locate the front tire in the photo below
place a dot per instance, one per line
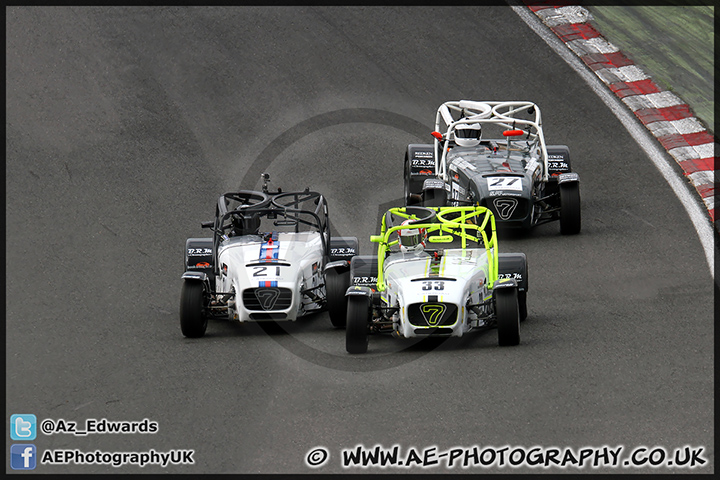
(522, 305)
(193, 321)
(569, 208)
(508, 316)
(356, 330)
(336, 284)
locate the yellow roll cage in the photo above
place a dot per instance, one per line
(469, 224)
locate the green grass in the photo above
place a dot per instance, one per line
(673, 44)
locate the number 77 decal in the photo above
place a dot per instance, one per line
(505, 183)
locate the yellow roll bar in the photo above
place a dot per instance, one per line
(468, 223)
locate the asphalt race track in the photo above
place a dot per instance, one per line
(124, 124)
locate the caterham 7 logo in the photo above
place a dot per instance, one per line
(432, 312)
(267, 297)
(505, 207)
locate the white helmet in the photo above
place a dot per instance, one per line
(468, 134)
(411, 239)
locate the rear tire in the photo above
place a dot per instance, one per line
(522, 305)
(336, 284)
(508, 316)
(569, 208)
(356, 331)
(406, 173)
(193, 321)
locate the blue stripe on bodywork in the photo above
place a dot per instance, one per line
(274, 249)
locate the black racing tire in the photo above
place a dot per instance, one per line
(410, 197)
(193, 320)
(569, 208)
(522, 305)
(434, 197)
(406, 175)
(336, 284)
(356, 330)
(507, 312)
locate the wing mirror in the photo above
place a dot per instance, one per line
(512, 133)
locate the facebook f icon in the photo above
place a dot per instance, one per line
(22, 457)
(23, 426)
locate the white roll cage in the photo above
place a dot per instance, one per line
(489, 112)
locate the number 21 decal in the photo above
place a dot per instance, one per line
(262, 271)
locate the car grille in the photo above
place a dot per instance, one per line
(267, 298)
(509, 208)
(432, 314)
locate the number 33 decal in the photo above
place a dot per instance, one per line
(435, 285)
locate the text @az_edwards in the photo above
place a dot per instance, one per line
(95, 426)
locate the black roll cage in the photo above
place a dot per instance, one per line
(269, 205)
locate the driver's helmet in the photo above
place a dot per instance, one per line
(245, 225)
(468, 134)
(411, 239)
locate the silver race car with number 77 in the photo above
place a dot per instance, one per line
(437, 272)
(521, 179)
